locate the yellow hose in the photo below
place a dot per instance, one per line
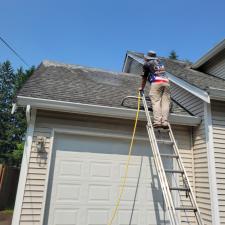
(123, 181)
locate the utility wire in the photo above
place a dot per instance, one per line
(14, 51)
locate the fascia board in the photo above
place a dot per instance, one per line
(136, 58)
(124, 63)
(183, 84)
(97, 110)
(218, 48)
(216, 93)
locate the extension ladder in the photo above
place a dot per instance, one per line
(167, 187)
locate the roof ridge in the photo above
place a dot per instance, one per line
(48, 63)
(176, 60)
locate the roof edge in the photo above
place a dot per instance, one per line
(210, 54)
(124, 62)
(97, 110)
(216, 93)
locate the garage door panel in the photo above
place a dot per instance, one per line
(68, 192)
(101, 170)
(70, 168)
(153, 218)
(152, 194)
(133, 172)
(66, 216)
(94, 145)
(86, 179)
(136, 218)
(98, 193)
(129, 194)
(96, 170)
(97, 216)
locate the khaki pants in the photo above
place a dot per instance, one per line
(160, 99)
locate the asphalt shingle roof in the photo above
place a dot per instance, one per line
(183, 70)
(79, 84)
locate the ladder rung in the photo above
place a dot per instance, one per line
(179, 188)
(174, 171)
(166, 142)
(186, 208)
(170, 155)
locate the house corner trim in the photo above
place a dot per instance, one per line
(211, 164)
(24, 169)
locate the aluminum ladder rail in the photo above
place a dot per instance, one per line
(166, 189)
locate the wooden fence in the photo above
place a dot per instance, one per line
(8, 185)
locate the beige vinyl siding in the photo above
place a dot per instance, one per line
(184, 141)
(201, 178)
(35, 180)
(218, 119)
(202, 188)
(190, 102)
(127, 63)
(216, 66)
(34, 194)
(134, 67)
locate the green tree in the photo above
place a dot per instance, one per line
(173, 55)
(12, 127)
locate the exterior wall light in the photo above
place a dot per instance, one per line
(40, 144)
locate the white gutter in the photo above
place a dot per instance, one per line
(96, 110)
(136, 58)
(218, 48)
(28, 116)
(183, 84)
(216, 93)
(211, 164)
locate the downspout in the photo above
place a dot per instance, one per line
(14, 108)
(193, 163)
(28, 113)
(211, 164)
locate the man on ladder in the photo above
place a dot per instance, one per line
(154, 72)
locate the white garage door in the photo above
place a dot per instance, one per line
(85, 180)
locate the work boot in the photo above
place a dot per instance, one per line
(157, 125)
(165, 125)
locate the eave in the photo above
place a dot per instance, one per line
(214, 51)
(216, 93)
(97, 110)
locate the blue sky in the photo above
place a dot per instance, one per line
(98, 33)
